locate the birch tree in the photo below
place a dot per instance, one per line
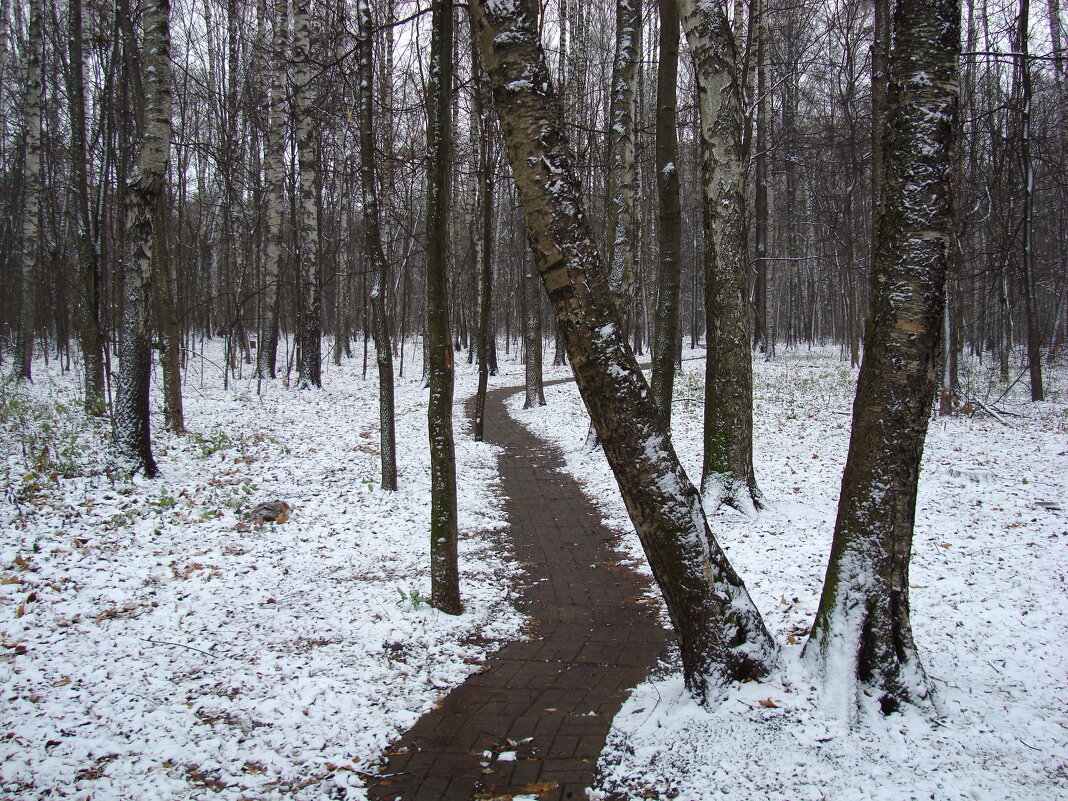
(721, 635)
(29, 239)
(309, 368)
(862, 637)
(267, 352)
(727, 470)
(132, 443)
(622, 172)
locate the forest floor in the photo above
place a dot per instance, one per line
(154, 643)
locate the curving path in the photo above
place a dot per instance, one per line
(540, 709)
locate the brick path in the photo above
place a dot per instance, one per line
(541, 708)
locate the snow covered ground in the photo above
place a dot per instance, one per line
(156, 644)
(988, 601)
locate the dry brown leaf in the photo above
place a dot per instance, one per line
(767, 702)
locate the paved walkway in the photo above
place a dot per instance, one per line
(540, 709)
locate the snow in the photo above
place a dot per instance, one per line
(987, 593)
(155, 644)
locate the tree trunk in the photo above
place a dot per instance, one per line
(372, 237)
(483, 237)
(132, 441)
(86, 241)
(167, 323)
(862, 634)
(728, 475)
(722, 637)
(668, 276)
(532, 339)
(622, 172)
(309, 368)
(444, 569)
(760, 202)
(267, 352)
(30, 233)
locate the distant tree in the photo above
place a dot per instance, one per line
(862, 637)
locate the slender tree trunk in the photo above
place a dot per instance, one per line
(444, 569)
(309, 368)
(30, 233)
(722, 637)
(132, 441)
(760, 201)
(267, 354)
(1027, 167)
(668, 277)
(167, 323)
(483, 236)
(622, 171)
(862, 636)
(372, 234)
(532, 339)
(88, 252)
(728, 475)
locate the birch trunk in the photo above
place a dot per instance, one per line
(267, 354)
(722, 637)
(376, 259)
(727, 471)
(29, 245)
(622, 172)
(309, 367)
(444, 569)
(132, 445)
(862, 640)
(483, 236)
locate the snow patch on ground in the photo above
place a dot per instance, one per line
(988, 604)
(156, 644)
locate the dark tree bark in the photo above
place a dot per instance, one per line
(532, 339)
(444, 568)
(483, 237)
(862, 636)
(167, 323)
(372, 237)
(722, 637)
(668, 191)
(132, 444)
(86, 241)
(760, 199)
(727, 475)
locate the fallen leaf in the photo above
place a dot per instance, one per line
(767, 702)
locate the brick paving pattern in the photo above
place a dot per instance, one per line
(540, 709)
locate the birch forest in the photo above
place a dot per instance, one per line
(295, 199)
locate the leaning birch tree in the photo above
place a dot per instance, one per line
(132, 444)
(720, 632)
(727, 471)
(861, 641)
